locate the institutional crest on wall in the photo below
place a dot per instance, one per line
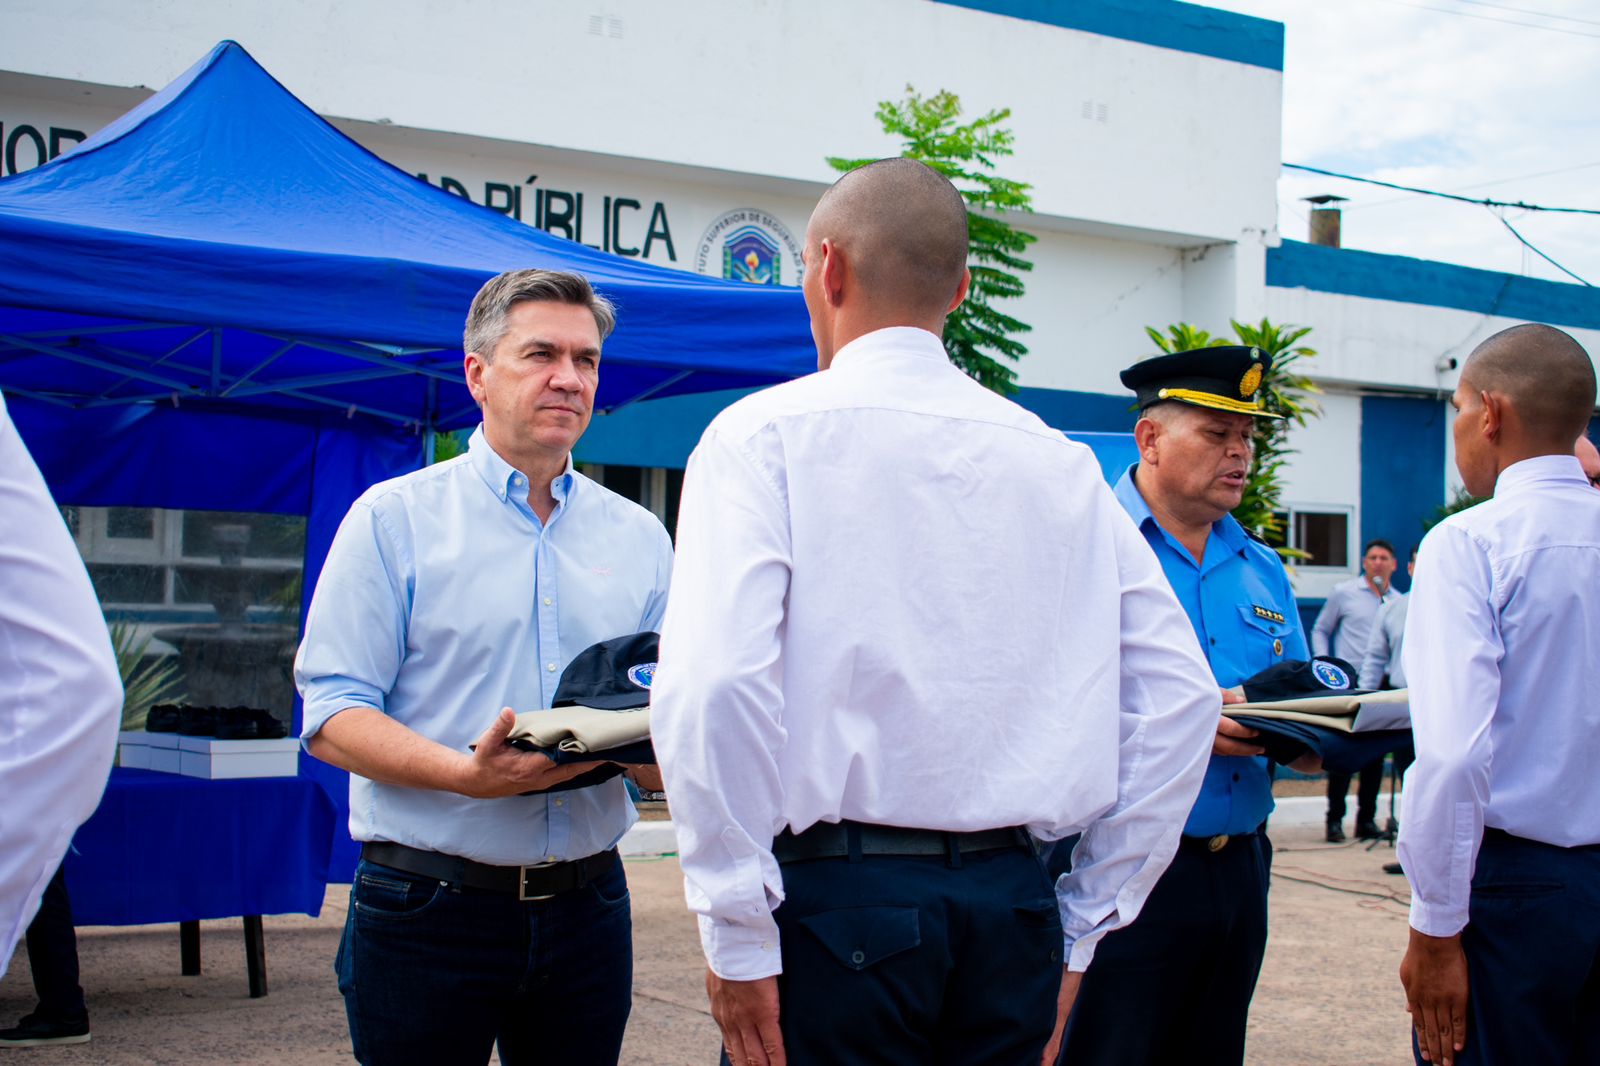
(750, 245)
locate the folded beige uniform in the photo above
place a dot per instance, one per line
(1353, 713)
(580, 730)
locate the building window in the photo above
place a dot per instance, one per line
(217, 592)
(656, 489)
(1323, 533)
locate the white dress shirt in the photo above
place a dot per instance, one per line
(902, 600)
(1503, 664)
(444, 599)
(60, 694)
(1385, 644)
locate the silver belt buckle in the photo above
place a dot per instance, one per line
(522, 882)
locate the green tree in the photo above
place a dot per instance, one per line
(1459, 502)
(1284, 390)
(978, 334)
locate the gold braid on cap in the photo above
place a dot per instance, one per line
(1211, 399)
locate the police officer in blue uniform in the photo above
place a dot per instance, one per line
(1175, 985)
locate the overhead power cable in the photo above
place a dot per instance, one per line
(1529, 246)
(1519, 205)
(1492, 18)
(1528, 11)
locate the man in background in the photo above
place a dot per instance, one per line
(1381, 667)
(1342, 629)
(60, 707)
(1501, 839)
(1589, 459)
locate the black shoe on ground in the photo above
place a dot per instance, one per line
(1367, 829)
(1392, 868)
(34, 1031)
(1335, 832)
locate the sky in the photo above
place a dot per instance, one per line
(1497, 100)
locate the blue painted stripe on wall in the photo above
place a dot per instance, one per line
(1402, 471)
(1164, 23)
(664, 432)
(1297, 265)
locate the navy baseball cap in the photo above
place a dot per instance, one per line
(613, 675)
(1226, 378)
(1323, 675)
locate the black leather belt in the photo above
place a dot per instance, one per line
(541, 881)
(833, 840)
(1213, 844)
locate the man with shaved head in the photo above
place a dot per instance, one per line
(910, 630)
(1501, 835)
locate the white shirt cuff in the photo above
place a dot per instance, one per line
(741, 952)
(1431, 920)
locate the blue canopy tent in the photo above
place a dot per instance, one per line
(220, 302)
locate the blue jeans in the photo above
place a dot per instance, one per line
(438, 975)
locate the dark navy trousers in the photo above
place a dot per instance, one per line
(53, 955)
(1533, 955)
(437, 976)
(902, 960)
(1175, 985)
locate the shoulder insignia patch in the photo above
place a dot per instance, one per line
(1268, 614)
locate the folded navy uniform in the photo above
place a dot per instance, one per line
(1329, 728)
(607, 686)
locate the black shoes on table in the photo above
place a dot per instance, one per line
(224, 723)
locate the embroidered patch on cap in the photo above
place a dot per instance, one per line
(642, 675)
(1329, 674)
(1251, 381)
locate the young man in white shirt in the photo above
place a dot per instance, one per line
(1501, 837)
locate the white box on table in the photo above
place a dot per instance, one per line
(219, 759)
(163, 752)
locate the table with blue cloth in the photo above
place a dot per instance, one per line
(167, 848)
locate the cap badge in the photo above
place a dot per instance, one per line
(1330, 675)
(1251, 381)
(642, 675)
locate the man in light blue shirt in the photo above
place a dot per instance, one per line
(452, 597)
(1342, 628)
(1175, 985)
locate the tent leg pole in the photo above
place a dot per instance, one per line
(429, 436)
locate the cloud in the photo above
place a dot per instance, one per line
(1457, 100)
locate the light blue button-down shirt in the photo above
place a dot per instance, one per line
(444, 599)
(1241, 605)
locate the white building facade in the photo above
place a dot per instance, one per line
(695, 135)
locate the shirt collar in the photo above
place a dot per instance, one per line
(1227, 528)
(505, 480)
(1540, 470)
(893, 340)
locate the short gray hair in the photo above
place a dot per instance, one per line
(486, 319)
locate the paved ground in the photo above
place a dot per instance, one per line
(1328, 992)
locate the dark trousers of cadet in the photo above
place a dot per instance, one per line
(1175, 986)
(906, 960)
(53, 955)
(1366, 793)
(1533, 955)
(435, 975)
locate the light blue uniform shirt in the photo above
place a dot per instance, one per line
(1241, 605)
(444, 599)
